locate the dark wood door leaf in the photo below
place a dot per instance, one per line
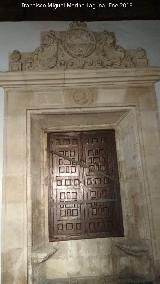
(84, 191)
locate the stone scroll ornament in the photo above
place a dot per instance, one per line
(77, 48)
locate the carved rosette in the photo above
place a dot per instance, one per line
(80, 96)
(83, 96)
(77, 48)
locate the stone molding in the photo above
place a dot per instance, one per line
(136, 76)
(77, 48)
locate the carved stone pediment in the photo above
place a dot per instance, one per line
(77, 48)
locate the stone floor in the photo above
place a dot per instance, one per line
(97, 280)
(81, 281)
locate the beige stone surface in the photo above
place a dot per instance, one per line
(81, 259)
(37, 102)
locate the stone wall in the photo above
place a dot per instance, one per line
(37, 102)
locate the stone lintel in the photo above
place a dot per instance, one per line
(138, 76)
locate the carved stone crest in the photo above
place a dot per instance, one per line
(77, 48)
(78, 41)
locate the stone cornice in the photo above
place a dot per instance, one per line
(129, 76)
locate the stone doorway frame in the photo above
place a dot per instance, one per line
(121, 119)
(35, 93)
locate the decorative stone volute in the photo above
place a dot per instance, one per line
(77, 48)
(133, 248)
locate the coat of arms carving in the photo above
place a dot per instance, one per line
(77, 48)
(79, 41)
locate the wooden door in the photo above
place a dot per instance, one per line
(84, 193)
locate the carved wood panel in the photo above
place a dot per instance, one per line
(84, 195)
